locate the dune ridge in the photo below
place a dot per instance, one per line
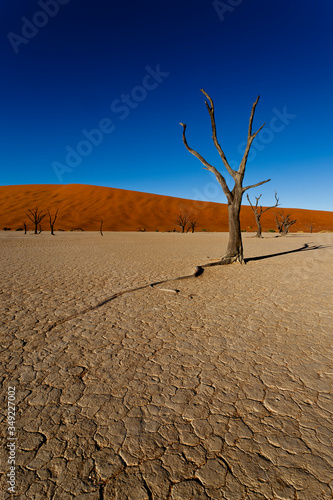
(83, 206)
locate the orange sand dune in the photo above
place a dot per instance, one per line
(83, 206)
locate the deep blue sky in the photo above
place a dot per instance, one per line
(62, 78)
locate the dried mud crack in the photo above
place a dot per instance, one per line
(227, 396)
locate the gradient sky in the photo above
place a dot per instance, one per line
(134, 70)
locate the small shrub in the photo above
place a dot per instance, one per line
(271, 230)
(7, 229)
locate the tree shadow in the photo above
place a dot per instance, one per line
(304, 248)
(293, 235)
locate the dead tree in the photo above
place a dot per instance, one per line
(101, 227)
(283, 222)
(234, 196)
(25, 227)
(52, 221)
(36, 218)
(310, 226)
(258, 211)
(192, 224)
(182, 221)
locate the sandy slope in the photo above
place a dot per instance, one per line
(84, 206)
(222, 390)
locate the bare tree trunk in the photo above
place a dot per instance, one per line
(101, 227)
(234, 251)
(259, 228)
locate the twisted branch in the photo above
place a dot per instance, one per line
(209, 167)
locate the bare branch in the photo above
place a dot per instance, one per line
(210, 108)
(208, 166)
(253, 208)
(273, 206)
(255, 185)
(256, 133)
(30, 217)
(250, 137)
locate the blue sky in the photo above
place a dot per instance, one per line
(93, 93)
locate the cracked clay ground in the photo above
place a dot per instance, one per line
(220, 391)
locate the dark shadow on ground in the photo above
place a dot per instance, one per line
(290, 235)
(268, 236)
(272, 235)
(304, 248)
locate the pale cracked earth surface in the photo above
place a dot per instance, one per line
(220, 391)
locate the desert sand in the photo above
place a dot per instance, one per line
(210, 387)
(83, 206)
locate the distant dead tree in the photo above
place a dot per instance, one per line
(234, 196)
(283, 222)
(40, 229)
(310, 226)
(36, 218)
(182, 221)
(258, 211)
(52, 221)
(192, 224)
(25, 227)
(101, 227)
